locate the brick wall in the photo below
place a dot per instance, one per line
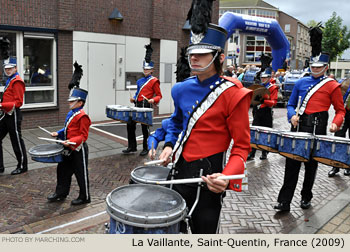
(155, 19)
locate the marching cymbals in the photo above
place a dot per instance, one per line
(261, 91)
(344, 86)
(254, 86)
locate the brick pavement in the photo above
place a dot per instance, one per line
(24, 209)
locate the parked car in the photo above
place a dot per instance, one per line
(289, 82)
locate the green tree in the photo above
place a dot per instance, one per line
(336, 37)
(312, 23)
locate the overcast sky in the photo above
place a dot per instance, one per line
(318, 10)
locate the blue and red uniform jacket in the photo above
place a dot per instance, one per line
(151, 88)
(13, 93)
(328, 94)
(158, 135)
(226, 119)
(76, 128)
(272, 100)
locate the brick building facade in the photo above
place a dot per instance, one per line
(156, 20)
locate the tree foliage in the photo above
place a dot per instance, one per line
(336, 37)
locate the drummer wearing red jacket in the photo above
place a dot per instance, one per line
(210, 111)
(147, 94)
(262, 113)
(75, 158)
(316, 93)
(11, 116)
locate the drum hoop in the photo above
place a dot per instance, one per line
(261, 128)
(139, 179)
(161, 220)
(303, 135)
(58, 152)
(333, 139)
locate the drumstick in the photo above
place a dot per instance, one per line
(55, 140)
(45, 130)
(197, 180)
(152, 148)
(154, 162)
(145, 98)
(298, 107)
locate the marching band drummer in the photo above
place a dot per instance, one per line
(209, 111)
(317, 94)
(11, 116)
(76, 129)
(343, 130)
(262, 113)
(147, 94)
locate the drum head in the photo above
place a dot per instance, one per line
(293, 156)
(146, 206)
(330, 162)
(149, 174)
(254, 146)
(267, 148)
(46, 150)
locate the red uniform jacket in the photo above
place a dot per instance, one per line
(151, 88)
(328, 94)
(272, 101)
(13, 95)
(76, 130)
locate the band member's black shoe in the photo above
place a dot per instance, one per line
(251, 156)
(347, 172)
(263, 155)
(2, 169)
(305, 204)
(78, 201)
(282, 207)
(55, 197)
(19, 171)
(144, 153)
(333, 172)
(129, 151)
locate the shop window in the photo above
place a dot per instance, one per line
(39, 69)
(36, 64)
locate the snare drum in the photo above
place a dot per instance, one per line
(145, 209)
(119, 112)
(333, 151)
(267, 139)
(149, 174)
(143, 115)
(47, 153)
(296, 145)
(253, 137)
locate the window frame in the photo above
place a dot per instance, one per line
(20, 36)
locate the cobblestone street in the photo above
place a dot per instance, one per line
(24, 208)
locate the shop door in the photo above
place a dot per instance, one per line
(101, 75)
